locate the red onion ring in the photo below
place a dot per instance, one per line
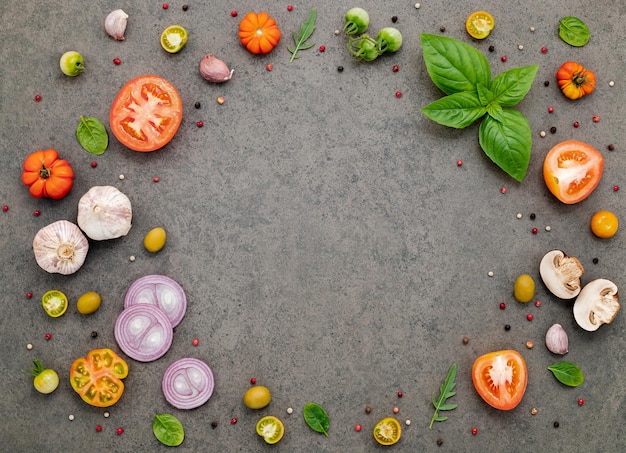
(143, 332)
(188, 383)
(161, 291)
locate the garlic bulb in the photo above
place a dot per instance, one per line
(104, 213)
(60, 248)
(115, 24)
(214, 70)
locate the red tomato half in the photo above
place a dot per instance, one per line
(500, 378)
(146, 113)
(572, 169)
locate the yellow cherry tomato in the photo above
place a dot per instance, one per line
(54, 302)
(479, 24)
(271, 429)
(155, 239)
(88, 303)
(387, 431)
(604, 224)
(524, 289)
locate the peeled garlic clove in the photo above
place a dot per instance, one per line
(60, 248)
(556, 339)
(115, 24)
(104, 213)
(214, 70)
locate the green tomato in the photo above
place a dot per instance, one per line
(363, 48)
(357, 21)
(389, 39)
(72, 63)
(46, 380)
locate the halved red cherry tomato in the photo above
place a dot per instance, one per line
(500, 378)
(572, 170)
(97, 378)
(146, 113)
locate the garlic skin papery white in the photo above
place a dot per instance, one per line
(60, 248)
(115, 24)
(104, 213)
(215, 70)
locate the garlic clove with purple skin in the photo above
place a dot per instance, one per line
(60, 248)
(115, 24)
(556, 339)
(215, 70)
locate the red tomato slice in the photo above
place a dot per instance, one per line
(146, 113)
(572, 170)
(500, 378)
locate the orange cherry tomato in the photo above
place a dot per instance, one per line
(500, 378)
(572, 170)
(146, 113)
(604, 224)
(259, 33)
(47, 175)
(575, 80)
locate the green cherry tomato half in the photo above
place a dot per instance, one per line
(72, 63)
(270, 429)
(54, 302)
(45, 380)
(174, 38)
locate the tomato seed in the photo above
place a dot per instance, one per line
(322, 48)
(615, 188)
(400, 394)
(120, 431)
(398, 94)
(474, 431)
(29, 295)
(233, 421)
(544, 50)
(252, 380)
(357, 428)
(214, 424)
(529, 317)
(94, 164)
(581, 401)
(289, 8)
(503, 58)
(233, 13)
(117, 61)
(395, 68)
(200, 124)
(534, 231)
(37, 97)
(576, 124)
(98, 428)
(48, 337)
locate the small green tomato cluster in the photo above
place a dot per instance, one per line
(363, 47)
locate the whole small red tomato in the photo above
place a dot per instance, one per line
(575, 80)
(47, 175)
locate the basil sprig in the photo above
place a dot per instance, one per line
(464, 75)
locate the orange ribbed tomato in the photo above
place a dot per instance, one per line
(46, 175)
(259, 33)
(575, 80)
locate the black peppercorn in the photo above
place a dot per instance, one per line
(556, 424)
(507, 327)
(368, 409)
(340, 68)
(197, 105)
(94, 334)
(185, 7)
(442, 28)
(492, 48)
(595, 261)
(553, 129)
(213, 424)
(532, 216)
(440, 441)
(546, 83)
(465, 340)
(394, 19)
(611, 147)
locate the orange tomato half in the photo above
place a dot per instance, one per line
(500, 378)
(572, 170)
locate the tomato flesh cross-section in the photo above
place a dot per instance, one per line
(97, 378)
(500, 378)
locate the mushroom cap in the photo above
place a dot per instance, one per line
(596, 304)
(561, 274)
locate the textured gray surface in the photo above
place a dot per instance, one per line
(327, 241)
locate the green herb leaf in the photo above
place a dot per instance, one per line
(168, 430)
(495, 111)
(317, 418)
(92, 135)
(453, 65)
(573, 31)
(306, 30)
(510, 87)
(567, 373)
(458, 110)
(507, 141)
(445, 392)
(484, 94)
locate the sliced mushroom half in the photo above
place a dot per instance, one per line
(596, 304)
(561, 274)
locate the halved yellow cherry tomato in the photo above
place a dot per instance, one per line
(479, 24)
(54, 302)
(387, 431)
(174, 38)
(604, 224)
(270, 429)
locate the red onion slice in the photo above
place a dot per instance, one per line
(188, 383)
(143, 332)
(161, 291)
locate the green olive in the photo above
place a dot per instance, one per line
(524, 289)
(88, 303)
(257, 397)
(155, 239)
(72, 63)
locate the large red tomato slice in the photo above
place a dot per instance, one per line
(500, 378)
(572, 169)
(146, 113)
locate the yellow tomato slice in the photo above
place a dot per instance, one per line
(479, 24)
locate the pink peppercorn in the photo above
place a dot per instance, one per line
(400, 394)
(155, 179)
(529, 317)
(357, 428)
(596, 119)
(474, 431)
(94, 164)
(615, 188)
(396, 410)
(535, 231)
(120, 431)
(36, 212)
(195, 342)
(48, 337)
(550, 109)
(233, 421)
(502, 305)
(117, 61)
(199, 124)
(29, 295)
(395, 68)
(503, 190)
(537, 303)
(289, 8)
(544, 50)
(398, 94)
(233, 13)
(581, 401)
(98, 428)
(503, 58)
(269, 67)
(459, 163)
(252, 380)
(165, 6)
(37, 97)
(322, 49)
(576, 124)
(5, 208)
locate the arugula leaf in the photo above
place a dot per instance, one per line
(306, 30)
(458, 110)
(92, 135)
(567, 373)
(453, 65)
(445, 392)
(168, 430)
(316, 417)
(510, 87)
(573, 31)
(507, 141)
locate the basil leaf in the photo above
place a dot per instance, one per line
(510, 87)
(458, 110)
(92, 135)
(495, 111)
(485, 96)
(573, 31)
(317, 418)
(453, 65)
(168, 430)
(567, 373)
(507, 142)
